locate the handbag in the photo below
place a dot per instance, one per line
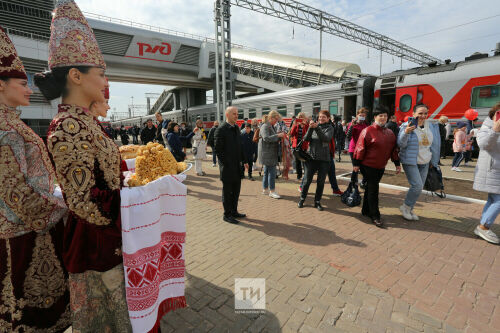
(434, 181)
(351, 196)
(300, 154)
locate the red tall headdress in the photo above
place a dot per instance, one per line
(72, 41)
(11, 65)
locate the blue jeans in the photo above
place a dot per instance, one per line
(331, 176)
(416, 175)
(491, 210)
(457, 159)
(269, 177)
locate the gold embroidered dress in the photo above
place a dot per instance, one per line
(88, 166)
(34, 290)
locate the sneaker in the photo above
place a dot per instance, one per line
(414, 216)
(274, 195)
(457, 169)
(406, 211)
(214, 165)
(487, 235)
(264, 191)
(466, 164)
(337, 193)
(453, 168)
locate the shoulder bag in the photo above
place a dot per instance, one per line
(351, 196)
(300, 154)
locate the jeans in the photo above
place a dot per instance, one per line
(269, 177)
(491, 209)
(457, 159)
(370, 199)
(311, 168)
(250, 166)
(298, 168)
(331, 175)
(416, 175)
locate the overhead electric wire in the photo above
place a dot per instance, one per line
(379, 10)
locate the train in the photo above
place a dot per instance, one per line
(448, 89)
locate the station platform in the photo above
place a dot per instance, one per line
(333, 271)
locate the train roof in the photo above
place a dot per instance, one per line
(474, 59)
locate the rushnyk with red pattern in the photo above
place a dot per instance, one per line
(154, 233)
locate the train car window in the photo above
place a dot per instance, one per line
(212, 117)
(241, 114)
(265, 111)
(316, 108)
(205, 117)
(405, 103)
(333, 107)
(419, 97)
(485, 97)
(297, 109)
(282, 110)
(252, 113)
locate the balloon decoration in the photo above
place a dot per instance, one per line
(471, 114)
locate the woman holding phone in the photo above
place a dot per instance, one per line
(420, 146)
(487, 173)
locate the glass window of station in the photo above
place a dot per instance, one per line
(205, 117)
(297, 108)
(485, 97)
(212, 117)
(282, 110)
(252, 113)
(241, 114)
(266, 110)
(333, 107)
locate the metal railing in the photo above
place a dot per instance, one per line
(156, 29)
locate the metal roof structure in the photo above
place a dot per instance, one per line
(296, 12)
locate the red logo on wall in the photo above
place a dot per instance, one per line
(164, 48)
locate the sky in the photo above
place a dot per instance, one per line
(446, 29)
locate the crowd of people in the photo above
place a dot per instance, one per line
(415, 146)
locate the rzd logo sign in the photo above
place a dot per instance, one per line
(164, 48)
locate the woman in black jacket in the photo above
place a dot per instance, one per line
(319, 135)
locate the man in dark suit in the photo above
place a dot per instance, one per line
(231, 159)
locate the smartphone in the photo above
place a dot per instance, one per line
(412, 121)
(315, 118)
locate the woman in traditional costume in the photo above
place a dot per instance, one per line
(35, 296)
(87, 164)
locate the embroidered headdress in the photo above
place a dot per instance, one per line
(11, 65)
(72, 41)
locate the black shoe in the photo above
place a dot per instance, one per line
(378, 222)
(251, 178)
(239, 215)
(440, 164)
(318, 206)
(230, 219)
(301, 203)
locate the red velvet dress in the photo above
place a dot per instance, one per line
(88, 167)
(34, 291)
